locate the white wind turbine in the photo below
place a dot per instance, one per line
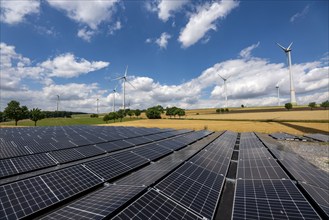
(292, 89)
(124, 80)
(114, 92)
(225, 88)
(278, 88)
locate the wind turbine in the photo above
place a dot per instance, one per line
(225, 88)
(292, 89)
(114, 91)
(124, 80)
(278, 88)
(97, 100)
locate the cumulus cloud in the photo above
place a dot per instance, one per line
(246, 53)
(115, 27)
(301, 14)
(162, 41)
(204, 20)
(86, 34)
(166, 8)
(14, 12)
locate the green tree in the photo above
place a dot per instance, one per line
(15, 111)
(130, 113)
(106, 118)
(2, 117)
(159, 108)
(226, 110)
(325, 104)
(36, 115)
(222, 110)
(121, 114)
(138, 112)
(153, 113)
(181, 112)
(312, 105)
(288, 106)
(113, 116)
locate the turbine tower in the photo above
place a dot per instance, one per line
(97, 100)
(278, 88)
(225, 88)
(124, 80)
(292, 89)
(57, 102)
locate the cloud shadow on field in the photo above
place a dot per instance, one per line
(303, 128)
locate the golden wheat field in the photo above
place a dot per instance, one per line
(238, 126)
(285, 115)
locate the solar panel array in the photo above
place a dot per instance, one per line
(86, 172)
(318, 137)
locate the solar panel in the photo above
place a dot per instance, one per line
(249, 141)
(9, 149)
(319, 195)
(32, 162)
(254, 153)
(153, 205)
(270, 199)
(7, 168)
(89, 151)
(97, 205)
(70, 181)
(115, 145)
(151, 151)
(138, 140)
(318, 137)
(283, 136)
(260, 169)
(22, 198)
(67, 155)
(194, 187)
(129, 159)
(172, 144)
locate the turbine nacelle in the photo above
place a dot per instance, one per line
(286, 50)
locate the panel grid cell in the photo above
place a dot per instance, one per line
(270, 199)
(32, 162)
(194, 187)
(70, 181)
(66, 155)
(97, 205)
(153, 205)
(23, 198)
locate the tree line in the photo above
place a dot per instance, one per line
(14, 111)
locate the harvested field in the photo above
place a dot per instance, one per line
(237, 126)
(275, 116)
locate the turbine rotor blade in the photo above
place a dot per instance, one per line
(221, 77)
(281, 46)
(120, 77)
(126, 71)
(131, 84)
(289, 46)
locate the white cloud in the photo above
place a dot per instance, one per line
(162, 41)
(115, 27)
(252, 83)
(86, 34)
(67, 66)
(91, 13)
(166, 8)
(204, 20)
(148, 40)
(14, 12)
(300, 14)
(246, 53)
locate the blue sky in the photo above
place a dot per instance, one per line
(174, 49)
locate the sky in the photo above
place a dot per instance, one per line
(175, 51)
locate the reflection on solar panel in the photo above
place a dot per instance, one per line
(194, 187)
(254, 153)
(9, 149)
(66, 155)
(151, 151)
(270, 199)
(23, 198)
(319, 195)
(153, 205)
(149, 174)
(97, 205)
(260, 169)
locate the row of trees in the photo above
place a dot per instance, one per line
(222, 110)
(312, 105)
(121, 114)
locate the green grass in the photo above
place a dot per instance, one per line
(75, 120)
